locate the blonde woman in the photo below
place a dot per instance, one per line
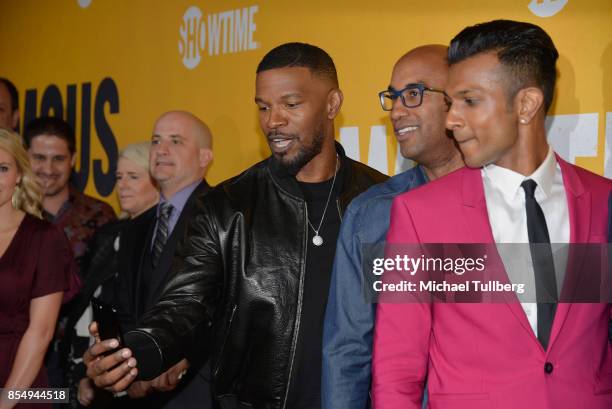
(135, 187)
(116, 246)
(35, 263)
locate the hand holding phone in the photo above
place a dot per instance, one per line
(108, 324)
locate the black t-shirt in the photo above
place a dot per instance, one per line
(305, 392)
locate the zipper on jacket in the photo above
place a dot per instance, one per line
(298, 318)
(339, 211)
(229, 328)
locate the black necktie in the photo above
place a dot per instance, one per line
(161, 233)
(543, 265)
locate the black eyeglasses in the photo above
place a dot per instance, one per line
(411, 95)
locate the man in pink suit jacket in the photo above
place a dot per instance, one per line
(472, 356)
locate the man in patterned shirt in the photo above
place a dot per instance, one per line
(51, 145)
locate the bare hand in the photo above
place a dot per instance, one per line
(114, 372)
(169, 379)
(85, 394)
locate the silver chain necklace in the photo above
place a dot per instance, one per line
(317, 240)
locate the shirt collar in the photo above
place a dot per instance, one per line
(508, 182)
(53, 218)
(420, 175)
(179, 199)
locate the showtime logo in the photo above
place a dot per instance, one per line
(546, 8)
(224, 32)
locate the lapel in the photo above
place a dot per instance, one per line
(579, 210)
(578, 203)
(133, 251)
(474, 207)
(159, 275)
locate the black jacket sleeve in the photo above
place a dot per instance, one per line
(183, 314)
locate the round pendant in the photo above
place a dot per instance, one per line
(317, 240)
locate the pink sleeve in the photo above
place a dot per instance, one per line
(401, 336)
(55, 263)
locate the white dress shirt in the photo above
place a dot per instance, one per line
(508, 218)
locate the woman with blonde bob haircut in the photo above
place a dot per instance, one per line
(136, 189)
(35, 265)
(115, 248)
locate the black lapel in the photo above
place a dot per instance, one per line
(137, 240)
(140, 258)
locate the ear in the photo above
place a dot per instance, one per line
(206, 157)
(334, 102)
(72, 160)
(529, 102)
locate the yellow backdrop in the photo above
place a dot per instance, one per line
(111, 67)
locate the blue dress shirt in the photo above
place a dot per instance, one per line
(349, 319)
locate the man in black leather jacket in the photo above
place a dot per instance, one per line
(256, 258)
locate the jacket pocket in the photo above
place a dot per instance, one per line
(225, 338)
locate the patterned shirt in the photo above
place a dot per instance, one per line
(80, 216)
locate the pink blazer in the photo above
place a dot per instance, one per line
(486, 355)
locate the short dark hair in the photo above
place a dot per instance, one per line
(524, 49)
(49, 125)
(12, 90)
(300, 55)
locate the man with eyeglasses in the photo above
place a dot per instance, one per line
(417, 108)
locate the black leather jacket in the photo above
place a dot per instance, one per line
(240, 268)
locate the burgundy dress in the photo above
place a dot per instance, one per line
(37, 262)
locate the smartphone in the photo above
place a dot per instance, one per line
(108, 324)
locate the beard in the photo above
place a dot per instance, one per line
(304, 154)
(50, 189)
